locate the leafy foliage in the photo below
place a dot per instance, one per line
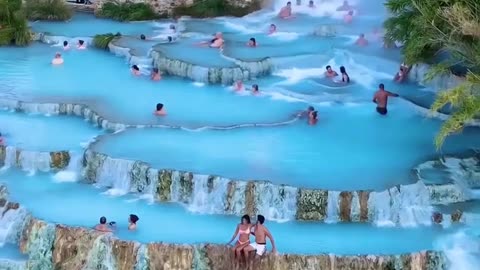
(215, 8)
(127, 11)
(13, 24)
(429, 28)
(102, 41)
(54, 10)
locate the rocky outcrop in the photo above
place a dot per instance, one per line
(418, 74)
(66, 248)
(240, 70)
(312, 204)
(31, 160)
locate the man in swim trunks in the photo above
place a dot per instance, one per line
(218, 41)
(286, 11)
(381, 98)
(261, 233)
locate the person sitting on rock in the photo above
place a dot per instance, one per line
(103, 226)
(361, 40)
(132, 222)
(260, 246)
(160, 110)
(286, 11)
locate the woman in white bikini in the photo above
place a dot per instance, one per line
(243, 233)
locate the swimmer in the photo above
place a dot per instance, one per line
(255, 90)
(160, 110)
(312, 118)
(2, 141)
(135, 70)
(155, 76)
(252, 43)
(345, 77)
(58, 60)
(272, 29)
(311, 4)
(173, 29)
(330, 73)
(345, 7)
(286, 11)
(238, 86)
(381, 99)
(103, 226)
(361, 41)
(306, 113)
(216, 42)
(348, 18)
(81, 45)
(143, 37)
(243, 233)
(260, 245)
(66, 47)
(132, 222)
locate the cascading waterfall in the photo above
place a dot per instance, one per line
(116, 175)
(27, 160)
(100, 256)
(142, 258)
(332, 207)
(40, 108)
(235, 203)
(209, 194)
(73, 170)
(150, 191)
(276, 202)
(11, 224)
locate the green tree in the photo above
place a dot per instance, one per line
(53, 10)
(428, 27)
(13, 23)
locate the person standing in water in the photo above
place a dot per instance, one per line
(286, 11)
(243, 233)
(160, 110)
(381, 99)
(260, 246)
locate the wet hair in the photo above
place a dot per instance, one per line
(103, 220)
(261, 219)
(155, 70)
(81, 41)
(255, 87)
(254, 41)
(344, 71)
(133, 218)
(65, 43)
(135, 67)
(289, 3)
(159, 106)
(142, 37)
(327, 67)
(170, 39)
(381, 86)
(247, 218)
(314, 114)
(310, 108)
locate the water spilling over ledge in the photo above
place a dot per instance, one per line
(32, 160)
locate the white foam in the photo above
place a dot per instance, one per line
(198, 84)
(285, 36)
(115, 192)
(322, 9)
(462, 251)
(239, 27)
(295, 75)
(65, 177)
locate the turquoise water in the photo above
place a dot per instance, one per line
(43, 133)
(11, 252)
(55, 202)
(329, 155)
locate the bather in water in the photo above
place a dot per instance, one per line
(311, 4)
(313, 118)
(252, 43)
(135, 70)
(243, 233)
(66, 47)
(255, 90)
(330, 73)
(306, 113)
(81, 45)
(381, 99)
(361, 41)
(272, 29)
(348, 18)
(132, 222)
(216, 42)
(155, 76)
(103, 226)
(238, 86)
(160, 110)
(345, 77)
(57, 60)
(286, 11)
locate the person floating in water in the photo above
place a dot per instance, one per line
(135, 70)
(286, 11)
(312, 118)
(252, 43)
(330, 73)
(311, 4)
(216, 42)
(103, 226)
(66, 47)
(160, 110)
(381, 99)
(345, 77)
(155, 76)
(238, 86)
(255, 90)
(81, 45)
(57, 60)
(261, 234)
(361, 40)
(345, 7)
(272, 29)
(132, 222)
(348, 18)
(243, 233)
